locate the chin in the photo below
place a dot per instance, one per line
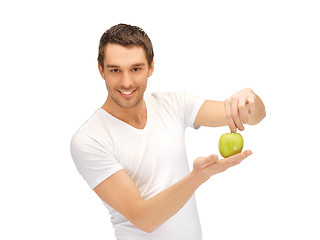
(130, 103)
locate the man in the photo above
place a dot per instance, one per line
(132, 152)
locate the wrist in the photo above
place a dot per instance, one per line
(197, 178)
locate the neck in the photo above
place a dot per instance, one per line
(135, 116)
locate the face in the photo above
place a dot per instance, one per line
(125, 72)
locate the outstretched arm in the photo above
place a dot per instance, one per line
(244, 107)
(120, 192)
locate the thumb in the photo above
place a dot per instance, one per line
(209, 160)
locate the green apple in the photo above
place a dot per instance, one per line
(230, 144)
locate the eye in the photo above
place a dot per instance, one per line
(136, 69)
(114, 70)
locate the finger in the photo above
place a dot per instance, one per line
(243, 111)
(206, 161)
(237, 158)
(225, 163)
(230, 122)
(235, 115)
(211, 159)
(251, 103)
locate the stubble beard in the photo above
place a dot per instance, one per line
(114, 94)
(124, 104)
(128, 105)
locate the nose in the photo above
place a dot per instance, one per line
(127, 81)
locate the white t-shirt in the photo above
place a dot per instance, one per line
(154, 157)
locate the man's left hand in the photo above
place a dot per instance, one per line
(239, 107)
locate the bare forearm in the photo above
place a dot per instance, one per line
(152, 212)
(120, 192)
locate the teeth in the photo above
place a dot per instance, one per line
(126, 93)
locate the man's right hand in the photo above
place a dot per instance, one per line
(120, 192)
(205, 167)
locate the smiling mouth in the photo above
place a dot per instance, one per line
(127, 93)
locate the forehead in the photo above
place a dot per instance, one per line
(116, 54)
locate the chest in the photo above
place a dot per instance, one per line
(156, 158)
(158, 147)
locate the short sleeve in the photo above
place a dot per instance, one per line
(189, 106)
(94, 161)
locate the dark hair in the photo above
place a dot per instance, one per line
(125, 35)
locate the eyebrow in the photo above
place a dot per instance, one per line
(133, 65)
(112, 66)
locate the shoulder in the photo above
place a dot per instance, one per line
(177, 99)
(94, 125)
(93, 132)
(166, 97)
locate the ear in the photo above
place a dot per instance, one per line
(151, 68)
(101, 71)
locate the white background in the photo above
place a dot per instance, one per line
(50, 85)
